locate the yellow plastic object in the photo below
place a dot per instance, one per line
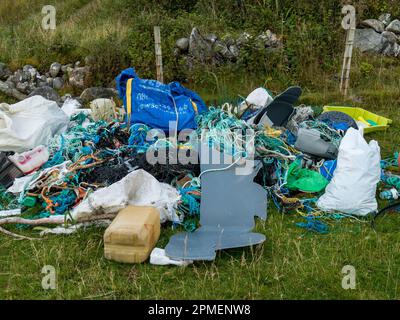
(272, 132)
(132, 235)
(382, 122)
(363, 121)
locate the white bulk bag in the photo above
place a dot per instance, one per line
(138, 188)
(352, 189)
(30, 123)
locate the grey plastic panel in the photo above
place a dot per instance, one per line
(229, 202)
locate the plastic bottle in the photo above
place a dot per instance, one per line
(391, 194)
(31, 160)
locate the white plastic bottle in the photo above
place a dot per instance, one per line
(32, 160)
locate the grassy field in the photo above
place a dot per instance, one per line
(292, 263)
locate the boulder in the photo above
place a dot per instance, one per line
(65, 68)
(10, 84)
(42, 78)
(30, 73)
(23, 87)
(394, 26)
(78, 77)
(10, 90)
(22, 76)
(17, 77)
(391, 49)
(31, 86)
(377, 25)
(58, 83)
(390, 36)
(55, 69)
(94, 93)
(212, 38)
(4, 71)
(199, 47)
(226, 52)
(221, 50)
(182, 44)
(369, 41)
(46, 92)
(244, 39)
(385, 18)
(268, 40)
(90, 61)
(41, 84)
(65, 97)
(49, 82)
(234, 49)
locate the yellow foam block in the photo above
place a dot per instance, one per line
(132, 235)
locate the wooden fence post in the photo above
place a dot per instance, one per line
(159, 64)
(349, 24)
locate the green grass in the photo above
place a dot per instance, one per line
(292, 264)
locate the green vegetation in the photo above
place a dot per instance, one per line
(292, 264)
(119, 33)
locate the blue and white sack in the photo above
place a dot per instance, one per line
(156, 104)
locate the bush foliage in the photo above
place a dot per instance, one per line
(119, 33)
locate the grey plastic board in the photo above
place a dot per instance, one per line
(229, 202)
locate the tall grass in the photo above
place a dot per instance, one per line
(118, 34)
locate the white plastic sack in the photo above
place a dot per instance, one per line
(72, 107)
(138, 188)
(30, 123)
(258, 98)
(352, 189)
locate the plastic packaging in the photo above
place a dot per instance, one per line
(382, 123)
(304, 179)
(159, 258)
(309, 141)
(353, 186)
(156, 104)
(138, 188)
(132, 235)
(391, 194)
(32, 160)
(30, 123)
(257, 99)
(328, 168)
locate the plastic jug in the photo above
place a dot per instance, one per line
(132, 235)
(32, 160)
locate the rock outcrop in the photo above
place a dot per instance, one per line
(379, 36)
